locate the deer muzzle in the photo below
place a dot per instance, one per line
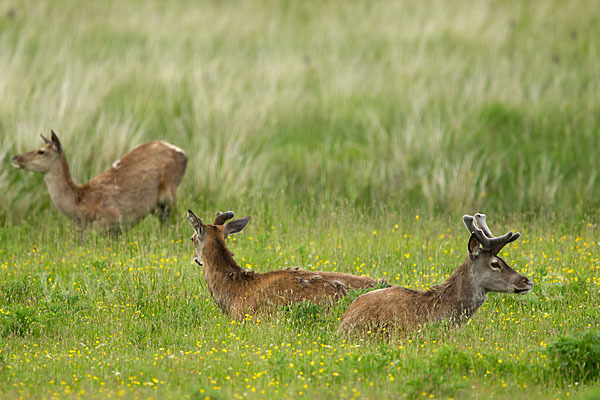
(14, 162)
(523, 286)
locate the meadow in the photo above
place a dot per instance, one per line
(356, 135)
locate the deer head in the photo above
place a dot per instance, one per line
(489, 271)
(203, 231)
(42, 159)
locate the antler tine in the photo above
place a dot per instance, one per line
(487, 242)
(514, 237)
(222, 217)
(484, 235)
(481, 223)
(496, 242)
(501, 241)
(469, 222)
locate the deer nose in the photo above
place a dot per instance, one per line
(523, 286)
(13, 161)
(527, 283)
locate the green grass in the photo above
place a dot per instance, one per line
(356, 135)
(132, 316)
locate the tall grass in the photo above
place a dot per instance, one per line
(427, 106)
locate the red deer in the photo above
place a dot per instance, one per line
(457, 299)
(143, 181)
(238, 291)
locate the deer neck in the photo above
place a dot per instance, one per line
(65, 194)
(223, 275)
(459, 295)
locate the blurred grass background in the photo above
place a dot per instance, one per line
(442, 107)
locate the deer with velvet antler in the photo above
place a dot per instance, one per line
(456, 299)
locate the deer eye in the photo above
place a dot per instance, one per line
(495, 265)
(40, 152)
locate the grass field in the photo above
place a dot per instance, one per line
(356, 135)
(132, 316)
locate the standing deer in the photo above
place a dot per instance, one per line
(456, 299)
(238, 291)
(143, 181)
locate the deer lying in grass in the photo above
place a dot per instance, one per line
(456, 299)
(143, 181)
(238, 291)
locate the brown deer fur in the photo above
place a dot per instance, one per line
(238, 291)
(457, 299)
(143, 181)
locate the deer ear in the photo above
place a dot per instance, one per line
(235, 226)
(474, 246)
(56, 142)
(194, 221)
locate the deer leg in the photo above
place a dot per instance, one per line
(164, 206)
(114, 231)
(109, 224)
(163, 212)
